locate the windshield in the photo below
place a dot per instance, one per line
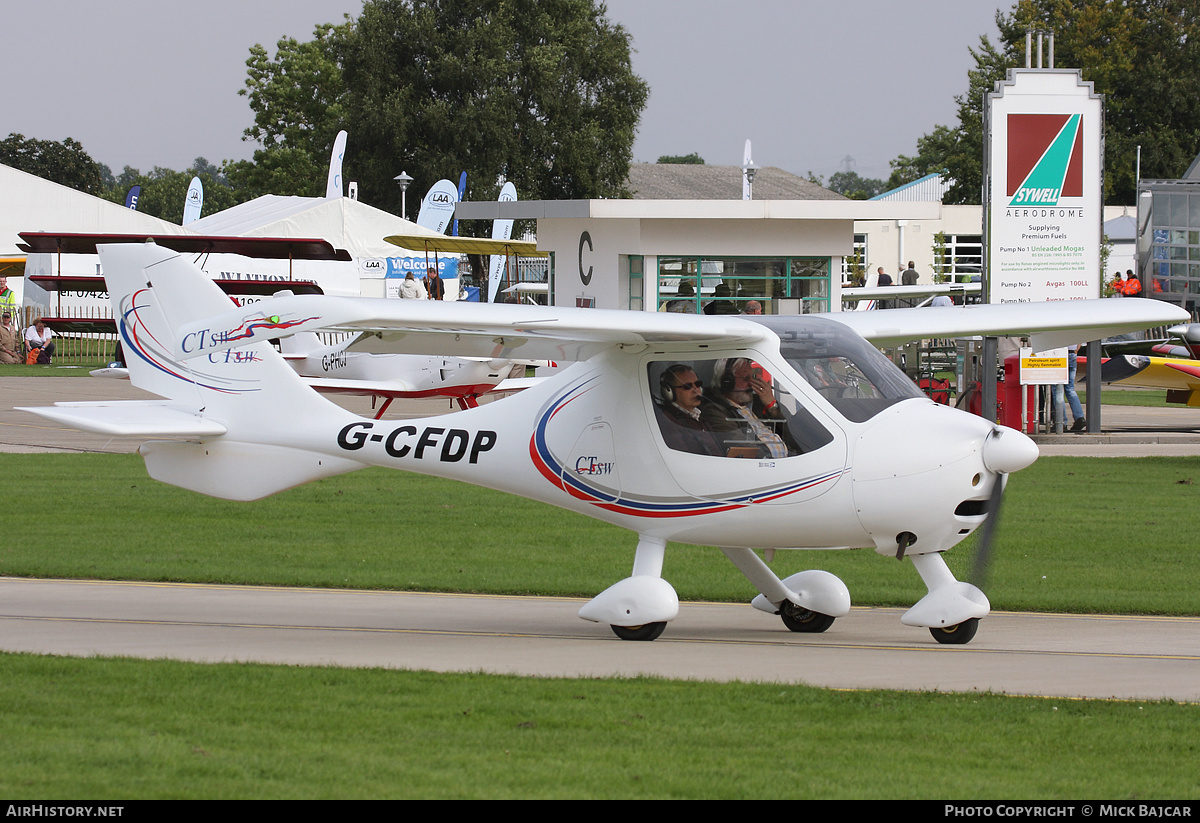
(843, 367)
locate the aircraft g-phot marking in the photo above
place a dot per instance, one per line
(772, 433)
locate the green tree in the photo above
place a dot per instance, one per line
(298, 99)
(693, 159)
(65, 163)
(957, 153)
(853, 186)
(539, 92)
(164, 190)
(1142, 55)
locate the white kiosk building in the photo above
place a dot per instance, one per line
(646, 255)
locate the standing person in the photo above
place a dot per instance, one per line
(722, 305)
(37, 338)
(10, 340)
(8, 298)
(884, 279)
(909, 276)
(684, 302)
(1079, 422)
(413, 289)
(433, 285)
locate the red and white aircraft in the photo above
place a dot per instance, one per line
(356, 366)
(858, 458)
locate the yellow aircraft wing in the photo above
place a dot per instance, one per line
(465, 245)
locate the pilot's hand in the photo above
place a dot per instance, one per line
(762, 390)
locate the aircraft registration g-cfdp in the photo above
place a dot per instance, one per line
(851, 454)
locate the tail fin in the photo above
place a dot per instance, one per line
(264, 407)
(154, 291)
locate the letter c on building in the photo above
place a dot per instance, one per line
(586, 277)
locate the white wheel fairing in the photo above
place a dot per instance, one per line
(634, 601)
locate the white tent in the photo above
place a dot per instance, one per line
(29, 203)
(345, 223)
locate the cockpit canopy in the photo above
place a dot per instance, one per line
(844, 368)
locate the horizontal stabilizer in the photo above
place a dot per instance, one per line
(238, 471)
(134, 418)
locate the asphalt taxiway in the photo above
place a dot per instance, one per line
(1036, 654)
(1063, 656)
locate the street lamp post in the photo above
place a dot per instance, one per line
(403, 179)
(749, 170)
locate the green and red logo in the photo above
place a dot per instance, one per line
(1045, 158)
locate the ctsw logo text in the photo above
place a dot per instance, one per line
(593, 466)
(250, 329)
(199, 341)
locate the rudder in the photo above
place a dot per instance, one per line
(153, 292)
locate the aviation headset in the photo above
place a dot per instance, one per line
(723, 378)
(666, 387)
(723, 373)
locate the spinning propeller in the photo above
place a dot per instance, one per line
(983, 548)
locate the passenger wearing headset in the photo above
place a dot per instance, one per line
(679, 413)
(741, 410)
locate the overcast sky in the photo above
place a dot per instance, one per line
(151, 83)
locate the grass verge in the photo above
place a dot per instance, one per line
(104, 728)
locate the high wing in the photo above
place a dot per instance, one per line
(1049, 325)
(463, 329)
(886, 292)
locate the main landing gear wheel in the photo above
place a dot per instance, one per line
(648, 631)
(803, 620)
(956, 635)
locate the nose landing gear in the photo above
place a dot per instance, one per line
(957, 635)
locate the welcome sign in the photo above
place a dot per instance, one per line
(1043, 180)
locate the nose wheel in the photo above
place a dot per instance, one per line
(799, 619)
(648, 631)
(956, 635)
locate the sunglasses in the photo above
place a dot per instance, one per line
(695, 385)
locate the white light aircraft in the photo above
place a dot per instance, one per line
(858, 457)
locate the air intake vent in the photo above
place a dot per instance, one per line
(972, 508)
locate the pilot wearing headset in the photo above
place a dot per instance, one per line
(681, 394)
(741, 408)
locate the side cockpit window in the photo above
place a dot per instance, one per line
(730, 407)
